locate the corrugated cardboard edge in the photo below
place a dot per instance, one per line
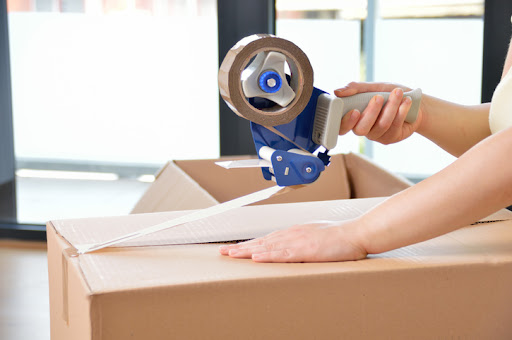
(70, 313)
(384, 289)
(173, 187)
(366, 178)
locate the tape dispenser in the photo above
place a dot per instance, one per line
(269, 81)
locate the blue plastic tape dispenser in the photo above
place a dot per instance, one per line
(269, 81)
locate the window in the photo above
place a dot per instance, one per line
(108, 90)
(434, 45)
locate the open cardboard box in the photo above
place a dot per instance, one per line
(161, 287)
(197, 184)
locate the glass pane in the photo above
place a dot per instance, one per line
(438, 49)
(329, 32)
(434, 45)
(108, 90)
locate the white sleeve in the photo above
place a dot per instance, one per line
(500, 114)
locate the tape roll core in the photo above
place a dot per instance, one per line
(237, 59)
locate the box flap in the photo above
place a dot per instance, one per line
(194, 184)
(225, 185)
(237, 224)
(114, 268)
(370, 180)
(173, 189)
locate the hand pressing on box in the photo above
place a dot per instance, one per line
(382, 122)
(314, 242)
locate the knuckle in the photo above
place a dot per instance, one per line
(358, 131)
(372, 138)
(286, 254)
(384, 125)
(270, 246)
(262, 241)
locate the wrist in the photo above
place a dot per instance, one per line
(425, 115)
(353, 233)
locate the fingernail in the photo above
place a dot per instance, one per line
(378, 99)
(340, 90)
(233, 252)
(354, 114)
(257, 256)
(408, 99)
(398, 92)
(223, 248)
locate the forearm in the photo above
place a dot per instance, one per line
(455, 128)
(474, 186)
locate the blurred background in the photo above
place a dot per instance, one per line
(105, 92)
(97, 95)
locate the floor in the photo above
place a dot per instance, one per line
(24, 303)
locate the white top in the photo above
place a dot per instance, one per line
(500, 114)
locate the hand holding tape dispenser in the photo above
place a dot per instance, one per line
(290, 118)
(290, 121)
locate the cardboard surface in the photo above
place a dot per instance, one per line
(348, 176)
(454, 286)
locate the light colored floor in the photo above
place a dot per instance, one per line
(24, 303)
(41, 200)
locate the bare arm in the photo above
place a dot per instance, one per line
(474, 186)
(455, 128)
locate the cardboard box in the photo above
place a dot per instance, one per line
(197, 184)
(457, 286)
(162, 287)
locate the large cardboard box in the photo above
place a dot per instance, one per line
(197, 184)
(457, 286)
(172, 285)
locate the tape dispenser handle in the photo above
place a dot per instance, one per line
(360, 101)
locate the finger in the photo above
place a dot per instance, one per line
(224, 249)
(269, 241)
(369, 116)
(387, 115)
(360, 87)
(281, 255)
(396, 132)
(403, 110)
(345, 91)
(349, 121)
(247, 252)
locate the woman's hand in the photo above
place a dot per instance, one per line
(314, 242)
(383, 123)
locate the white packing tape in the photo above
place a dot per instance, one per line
(194, 216)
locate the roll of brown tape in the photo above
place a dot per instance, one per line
(236, 61)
